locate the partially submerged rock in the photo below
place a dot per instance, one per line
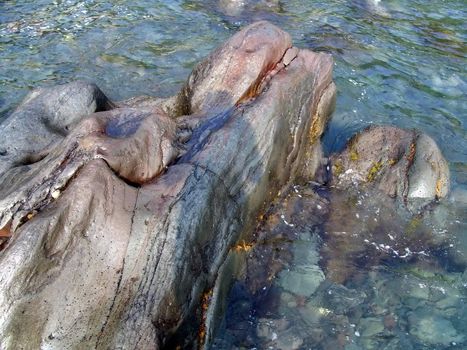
(377, 164)
(238, 7)
(364, 227)
(115, 241)
(401, 163)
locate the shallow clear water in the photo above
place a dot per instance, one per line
(396, 62)
(339, 270)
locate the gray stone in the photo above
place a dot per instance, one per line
(429, 174)
(45, 117)
(303, 280)
(433, 329)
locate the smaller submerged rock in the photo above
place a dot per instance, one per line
(236, 8)
(340, 299)
(403, 164)
(432, 329)
(278, 334)
(371, 327)
(302, 281)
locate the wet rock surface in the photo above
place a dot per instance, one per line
(114, 236)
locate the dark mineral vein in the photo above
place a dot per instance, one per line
(201, 134)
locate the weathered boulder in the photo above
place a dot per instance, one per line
(405, 164)
(136, 144)
(363, 227)
(113, 240)
(44, 117)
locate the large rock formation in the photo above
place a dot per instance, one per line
(119, 220)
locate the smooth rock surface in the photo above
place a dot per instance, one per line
(234, 71)
(44, 117)
(136, 144)
(302, 281)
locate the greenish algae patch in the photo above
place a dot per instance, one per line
(353, 148)
(353, 155)
(125, 61)
(429, 276)
(413, 225)
(374, 170)
(338, 168)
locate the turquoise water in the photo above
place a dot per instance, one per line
(396, 62)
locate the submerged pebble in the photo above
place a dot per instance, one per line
(371, 326)
(303, 281)
(433, 329)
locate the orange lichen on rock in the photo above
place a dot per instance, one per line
(205, 301)
(242, 246)
(439, 187)
(5, 231)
